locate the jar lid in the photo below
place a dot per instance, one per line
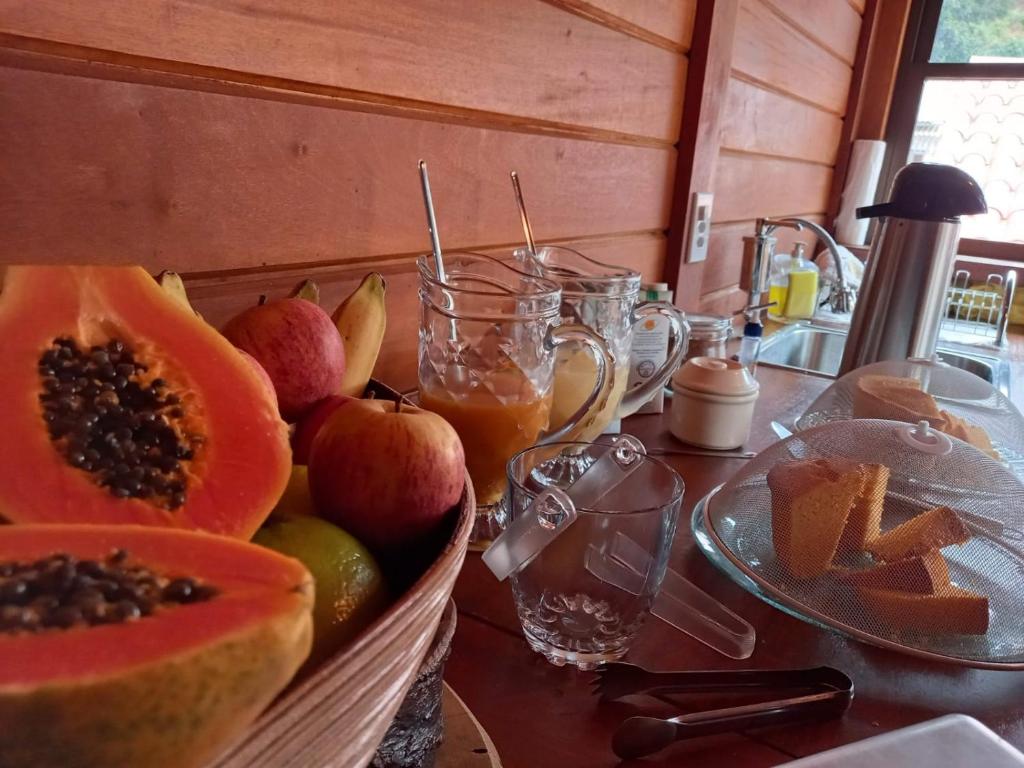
(716, 376)
(708, 322)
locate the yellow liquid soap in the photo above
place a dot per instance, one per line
(777, 293)
(803, 293)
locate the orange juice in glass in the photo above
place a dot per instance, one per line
(604, 298)
(489, 335)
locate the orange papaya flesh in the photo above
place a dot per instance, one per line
(232, 458)
(168, 690)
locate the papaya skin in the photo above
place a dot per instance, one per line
(171, 690)
(179, 714)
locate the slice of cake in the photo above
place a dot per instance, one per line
(865, 520)
(934, 529)
(893, 397)
(951, 610)
(811, 501)
(963, 430)
(922, 574)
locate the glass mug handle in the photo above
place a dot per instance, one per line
(598, 397)
(680, 332)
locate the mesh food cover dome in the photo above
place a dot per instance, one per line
(951, 400)
(893, 533)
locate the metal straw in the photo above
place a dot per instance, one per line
(527, 229)
(435, 241)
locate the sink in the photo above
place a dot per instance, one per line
(805, 348)
(819, 350)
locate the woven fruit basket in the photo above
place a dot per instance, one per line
(338, 715)
(140, 433)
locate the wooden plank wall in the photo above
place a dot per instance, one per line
(250, 144)
(792, 63)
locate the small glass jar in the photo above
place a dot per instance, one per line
(708, 335)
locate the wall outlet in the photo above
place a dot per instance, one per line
(699, 227)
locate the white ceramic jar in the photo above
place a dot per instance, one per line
(713, 403)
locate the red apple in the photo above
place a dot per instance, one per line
(261, 372)
(297, 345)
(386, 472)
(309, 425)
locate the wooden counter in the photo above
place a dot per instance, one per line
(539, 715)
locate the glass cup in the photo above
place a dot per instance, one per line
(603, 297)
(568, 614)
(489, 334)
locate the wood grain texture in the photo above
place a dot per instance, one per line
(219, 297)
(107, 171)
(834, 24)
(58, 58)
(769, 50)
(885, 45)
(701, 135)
(541, 716)
(523, 57)
(466, 744)
(858, 94)
(750, 186)
(725, 250)
(759, 120)
(992, 249)
(724, 301)
(668, 23)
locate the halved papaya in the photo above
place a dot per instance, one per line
(124, 645)
(118, 404)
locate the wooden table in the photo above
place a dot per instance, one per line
(539, 715)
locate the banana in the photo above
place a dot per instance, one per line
(361, 320)
(174, 286)
(307, 290)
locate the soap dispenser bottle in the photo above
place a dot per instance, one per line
(802, 294)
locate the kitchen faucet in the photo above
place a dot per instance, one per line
(841, 297)
(758, 255)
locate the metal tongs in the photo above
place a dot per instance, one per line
(808, 694)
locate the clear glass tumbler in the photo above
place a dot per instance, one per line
(568, 614)
(603, 297)
(487, 344)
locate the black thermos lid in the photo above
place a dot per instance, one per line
(929, 192)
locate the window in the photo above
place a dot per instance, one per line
(979, 30)
(959, 100)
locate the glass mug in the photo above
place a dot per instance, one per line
(568, 613)
(488, 339)
(603, 297)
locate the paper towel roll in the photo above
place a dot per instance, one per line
(861, 183)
